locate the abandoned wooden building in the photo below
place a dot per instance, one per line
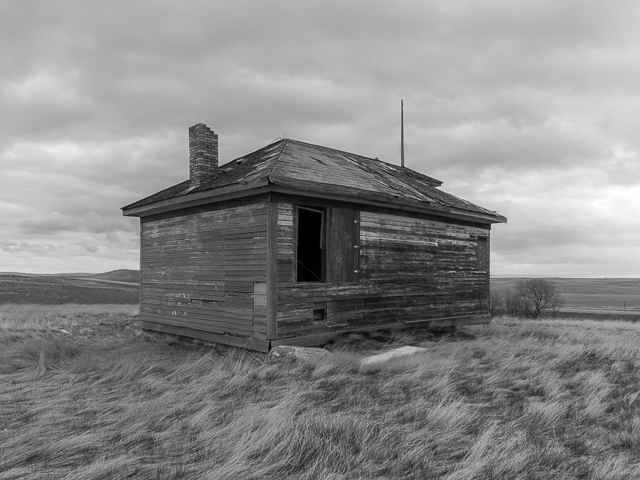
(295, 243)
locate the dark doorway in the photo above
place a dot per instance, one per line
(310, 243)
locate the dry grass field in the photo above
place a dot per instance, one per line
(85, 395)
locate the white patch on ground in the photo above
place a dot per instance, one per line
(398, 352)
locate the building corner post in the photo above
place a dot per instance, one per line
(272, 275)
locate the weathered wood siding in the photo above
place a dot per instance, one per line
(410, 269)
(343, 243)
(206, 270)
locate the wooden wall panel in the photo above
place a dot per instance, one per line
(343, 240)
(285, 245)
(410, 269)
(206, 270)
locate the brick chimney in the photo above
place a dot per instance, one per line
(203, 154)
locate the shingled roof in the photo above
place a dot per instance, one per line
(290, 165)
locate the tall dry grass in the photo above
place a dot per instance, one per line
(29, 317)
(523, 399)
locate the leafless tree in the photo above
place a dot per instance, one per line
(512, 302)
(537, 294)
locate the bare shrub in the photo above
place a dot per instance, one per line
(537, 294)
(513, 304)
(496, 303)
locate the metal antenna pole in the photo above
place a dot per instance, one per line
(402, 133)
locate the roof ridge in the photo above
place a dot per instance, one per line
(284, 144)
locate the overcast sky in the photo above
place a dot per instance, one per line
(528, 108)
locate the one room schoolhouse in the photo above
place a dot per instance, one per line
(295, 243)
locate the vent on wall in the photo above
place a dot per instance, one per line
(319, 314)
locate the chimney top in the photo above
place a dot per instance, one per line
(203, 154)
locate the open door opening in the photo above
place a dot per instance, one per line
(310, 245)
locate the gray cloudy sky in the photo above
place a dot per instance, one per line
(528, 108)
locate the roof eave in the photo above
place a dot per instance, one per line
(241, 190)
(354, 195)
(181, 186)
(396, 204)
(227, 192)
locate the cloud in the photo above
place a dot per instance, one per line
(527, 108)
(41, 249)
(563, 221)
(51, 223)
(8, 246)
(89, 245)
(56, 222)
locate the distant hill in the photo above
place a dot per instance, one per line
(122, 275)
(22, 288)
